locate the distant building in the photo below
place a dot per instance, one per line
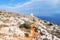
(32, 14)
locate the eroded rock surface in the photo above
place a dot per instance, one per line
(11, 29)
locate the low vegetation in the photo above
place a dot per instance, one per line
(25, 25)
(26, 35)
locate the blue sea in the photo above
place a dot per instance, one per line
(55, 20)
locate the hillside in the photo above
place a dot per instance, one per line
(14, 26)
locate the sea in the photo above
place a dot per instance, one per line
(55, 20)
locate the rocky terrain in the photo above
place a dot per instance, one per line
(14, 26)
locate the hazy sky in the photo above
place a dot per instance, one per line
(38, 7)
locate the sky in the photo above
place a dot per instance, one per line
(37, 7)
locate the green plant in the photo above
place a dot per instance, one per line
(26, 35)
(28, 30)
(25, 25)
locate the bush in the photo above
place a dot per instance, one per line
(25, 25)
(26, 35)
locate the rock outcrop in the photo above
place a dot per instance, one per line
(14, 26)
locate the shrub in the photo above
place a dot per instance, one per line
(25, 25)
(26, 35)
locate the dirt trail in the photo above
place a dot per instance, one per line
(33, 33)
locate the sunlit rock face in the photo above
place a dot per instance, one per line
(14, 26)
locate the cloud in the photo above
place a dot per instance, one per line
(54, 2)
(16, 6)
(25, 4)
(39, 7)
